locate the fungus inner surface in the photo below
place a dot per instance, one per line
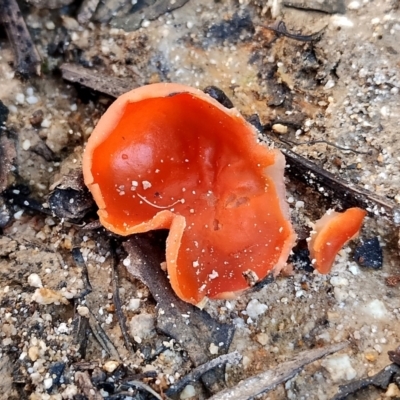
(180, 162)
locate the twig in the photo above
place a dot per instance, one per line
(117, 301)
(137, 377)
(80, 262)
(381, 380)
(111, 86)
(311, 142)
(281, 30)
(351, 194)
(81, 326)
(330, 7)
(27, 58)
(268, 380)
(102, 337)
(195, 374)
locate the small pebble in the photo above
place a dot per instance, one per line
(110, 366)
(339, 367)
(20, 98)
(188, 392)
(33, 353)
(376, 309)
(142, 326)
(329, 85)
(279, 128)
(392, 391)
(213, 349)
(262, 338)
(18, 214)
(134, 304)
(50, 25)
(354, 5)
(34, 280)
(83, 311)
(36, 118)
(254, 309)
(46, 123)
(146, 23)
(26, 144)
(48, 383)
(32, 99)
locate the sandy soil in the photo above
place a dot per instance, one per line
(342, 90)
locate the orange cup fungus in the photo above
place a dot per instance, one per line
(167, 156)
(331, 233)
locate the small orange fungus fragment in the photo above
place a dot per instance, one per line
(332, 232)
(167, 156)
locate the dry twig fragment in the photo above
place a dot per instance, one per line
(111, 86)
(193, 328)
(268, 380)
(26, 56)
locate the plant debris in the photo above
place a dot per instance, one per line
(281, 30)
(193, 328)
(327, 6)
(381, 380)
(27, 58)
(133, 21)
(108, 85)
(337, 100)
(268, 380)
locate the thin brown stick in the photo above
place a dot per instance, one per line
(268, 380)
(281, 30)
(111, 86)
(194, 375)
(102, 337)
(26, 56)
(349, 193)
(117, 301)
